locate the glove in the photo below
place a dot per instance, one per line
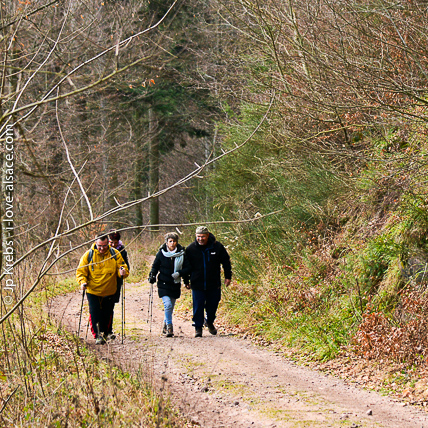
(152, 278)
(175, 275)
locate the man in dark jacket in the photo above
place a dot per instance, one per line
(206, 256)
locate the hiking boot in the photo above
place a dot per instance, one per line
(198, 332)
(111, 336)
(211, 328)
(100, 340)
(164, 328)
(170, 331)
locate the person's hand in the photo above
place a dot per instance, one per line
(152, 279)
(83, 286)
(175, 275)
(227, 282)
(122, 271)
(187, 286)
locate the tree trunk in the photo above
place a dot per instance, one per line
(154, 172)
(138, 169)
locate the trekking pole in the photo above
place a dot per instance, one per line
(148, 305)
(151, 306)
(87, 328)
(81, 310)
(123, 309)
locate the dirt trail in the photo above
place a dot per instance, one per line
(224, 381)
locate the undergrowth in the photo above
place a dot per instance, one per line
(49, 379)
(352, 277)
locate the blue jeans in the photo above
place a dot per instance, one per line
(168, 304)
(207, 300)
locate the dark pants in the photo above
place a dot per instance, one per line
(100, 313)
(208, 300)
(119, 288)
(116, 299)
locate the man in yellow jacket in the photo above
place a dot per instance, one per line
(98, 271)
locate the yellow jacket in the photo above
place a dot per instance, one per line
(101, 275)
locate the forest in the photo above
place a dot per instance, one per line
(296, 129)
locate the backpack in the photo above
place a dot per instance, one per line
(91, 256)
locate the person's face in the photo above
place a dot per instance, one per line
(202, 238)
(113, 242)
(171, 244)
(102, 246)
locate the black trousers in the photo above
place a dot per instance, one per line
(100, 313)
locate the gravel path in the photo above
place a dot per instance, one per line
(224, 381)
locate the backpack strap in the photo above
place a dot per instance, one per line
(91, 256)
(113, 253)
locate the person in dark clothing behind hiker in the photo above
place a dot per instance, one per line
(171, 264)
(115, 242)
(206, 255)
(97, 273)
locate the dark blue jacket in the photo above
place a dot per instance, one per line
(205, 264)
